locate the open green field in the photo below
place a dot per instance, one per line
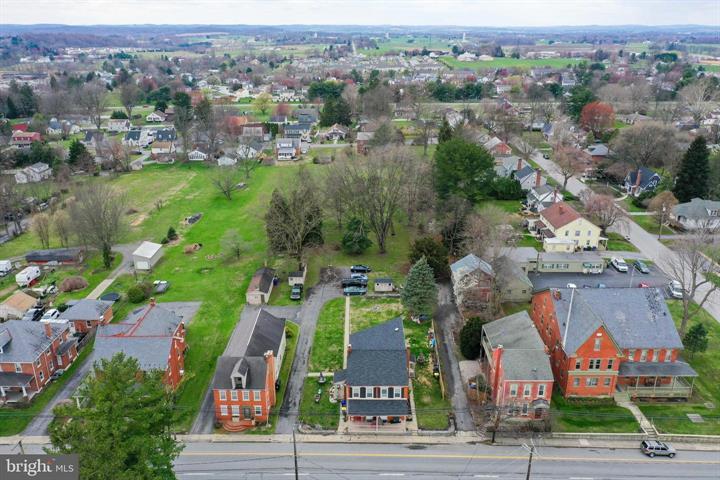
(617, 242)
(507, 62)
(324, 414)
(590, 416)
(14, 420)
(408, 42)
(326, 354)
(366, 312)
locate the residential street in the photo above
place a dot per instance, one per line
(646, 242)
(325, 290)
(447, 318)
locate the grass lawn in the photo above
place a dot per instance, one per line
(366, 312)
(617, 243)
(672, 418)
(14, 420)
(509, 206)
(592, 415)
(324, 414)
(528, 240)
(650, 224)
(510, 308)
(507, 62)
(292, 333)
(94, 272)
(628, 205)
(326, 353)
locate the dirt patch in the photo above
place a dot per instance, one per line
(139, 220)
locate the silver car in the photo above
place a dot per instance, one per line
(653, 447)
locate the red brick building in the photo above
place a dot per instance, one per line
(154, 335)
(605, 341)
(30, 352)
(516, 366)
(23, 139)
(244, 383)
(86, 314)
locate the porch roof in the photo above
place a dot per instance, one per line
(375, 407)
(12, 379)
(656, 369)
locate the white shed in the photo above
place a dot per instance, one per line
(384, 285)
(147, 255)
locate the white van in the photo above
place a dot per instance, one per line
(5, 267)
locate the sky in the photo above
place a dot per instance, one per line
(489, 13)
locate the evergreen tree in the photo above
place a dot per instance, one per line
(77, 152)
(692, 178)
(445, 133)
(335, 110)
(420, 293)
(579, 97)
(695, 340)
(470, 338)
(355, 241)
(122, 431)
(464, 169)
(434, 252)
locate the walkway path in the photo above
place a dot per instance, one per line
(346, 332)
(645, 424)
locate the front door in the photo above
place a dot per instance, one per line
(246, 413)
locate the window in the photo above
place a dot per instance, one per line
(246, 395)
(355, 392)
(383, 392)
(610, 364)
(527, 389)
(525, 409)
(589, 233)
(606, 382)
(541, 390)
(594, 364)
(631, 355)
(577, 233)
(578, 364)
(222, 395)
(236, 410)
(513, 389)
(398, 392)
(256, 395)
(258, 410)
(42, 375)
(643, 355)
(369, 392)
(59, 361)
(233, 395)
(656, 355)
(668, 355)
(576, 382)
(567, 233)
(591, 382)
(88, 323)
(598, 342)
(223, 410)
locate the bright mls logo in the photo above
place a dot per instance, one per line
(39, 467)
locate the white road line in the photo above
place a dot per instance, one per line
(391, 474)
(299, 474)
(197, 474)
(486, 476)
(580, 478)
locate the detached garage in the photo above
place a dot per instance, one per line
(147, 255)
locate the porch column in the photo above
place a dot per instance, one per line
(24, 391)
(2, 391)
(692, 384)
(654, 384)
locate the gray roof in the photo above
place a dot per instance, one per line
(524, 356)
(267, 334)
(662, 369)
(165, 135)
(509, 271)
(696, 209)
(262, 279)
(522, 254)
(526, 171)
(133, 134)
(12, 379)
(86, 309)
(634, 317)
(145, 334)
(646, 176)
(24, 341)
(378, 356)
(375, 407)
(54, 255)
(223, 371)
(470, 263)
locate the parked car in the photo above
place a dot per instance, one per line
(360, 269)
(619, 264)
(641, 267)
(653, 447)
(546, 156)
(601, 285)
(353, 282)
(571, 285)
(161, 286)
(675, 289)
(296, 292)
(643, 285)
(57, 374)
(51, 314)
(34, 314)
(359, 276)
(352, 291)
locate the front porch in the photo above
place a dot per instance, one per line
(16, 387)
(656, 380)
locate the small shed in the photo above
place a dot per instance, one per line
(16, 305)
(260, 287)
(297, 278)
(384, 285)
(147, 255)
(55, 256)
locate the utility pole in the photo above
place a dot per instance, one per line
(662, 220)
(20, 446)
(295, 456)
(532, 449)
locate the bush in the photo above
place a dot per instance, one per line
(470, 338)
(72, 284)
(118, 115)
(507, 189)
(164, 240)
(139, 292)
(172, 234)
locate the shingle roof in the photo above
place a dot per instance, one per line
(375, 407)
(559, 214)
(645, 176)
(24, 340)
(378, 356)
(20, 301)
(662, 369)
(267, 334)
(468, 264)
(54, 254)
(696, 209)
(86, 309)
(262, 279)
(12, 379)
(634, 317)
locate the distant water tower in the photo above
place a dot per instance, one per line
(463, 36)
(387, 35)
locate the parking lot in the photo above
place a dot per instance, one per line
(611, 278)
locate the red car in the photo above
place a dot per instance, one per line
(643, 285)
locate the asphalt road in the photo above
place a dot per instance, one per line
(610, 277)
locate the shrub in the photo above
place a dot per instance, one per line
(164, 240)
(72, 284)
(470, 338)
(172, 234)
(139, 292)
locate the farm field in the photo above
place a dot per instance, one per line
(508, 62)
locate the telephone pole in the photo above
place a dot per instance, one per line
(532, 449)
(295, 456)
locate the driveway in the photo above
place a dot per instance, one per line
(237, 345)
(326, 290)
(41, 422)
(448, 319)
(610, 277)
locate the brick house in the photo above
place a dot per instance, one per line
(375, 385)
(604, 341)
(516, 366)
(153, 334)
(24, 139)
(473, 281)
(30, 352)
(86, 314)
(245, 377)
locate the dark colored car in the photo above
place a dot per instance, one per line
(354, 282)
(110, 297)
(360, 269)
(352, 291)
(296, 292)
(641, 267)
(34, 314)
(653, 447)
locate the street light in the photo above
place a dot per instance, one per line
(662, 220)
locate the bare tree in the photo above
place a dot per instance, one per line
(119, 155)
(697, 98)
(695, 272)
(639, 94)
(667, 112)
(93, 100)
(601, 209)
(646, 145)
(453, 214)
(55, 103)
(417, 188)
(247, 164)
(661, 205)
(63, 227)
(232, 244)
(224, 179)
(41, 227)
(97, 215)
(351, 95)
(485, 235)
(525, 149)
(183, 122)
(12, 203)
(569, 162)
(129, 96)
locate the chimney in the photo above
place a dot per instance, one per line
(561, 209)
(497, 356)
(637, 178)
(48, 330)
(349, 349)
(537, 178)
(519, 166)
(555, 193)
